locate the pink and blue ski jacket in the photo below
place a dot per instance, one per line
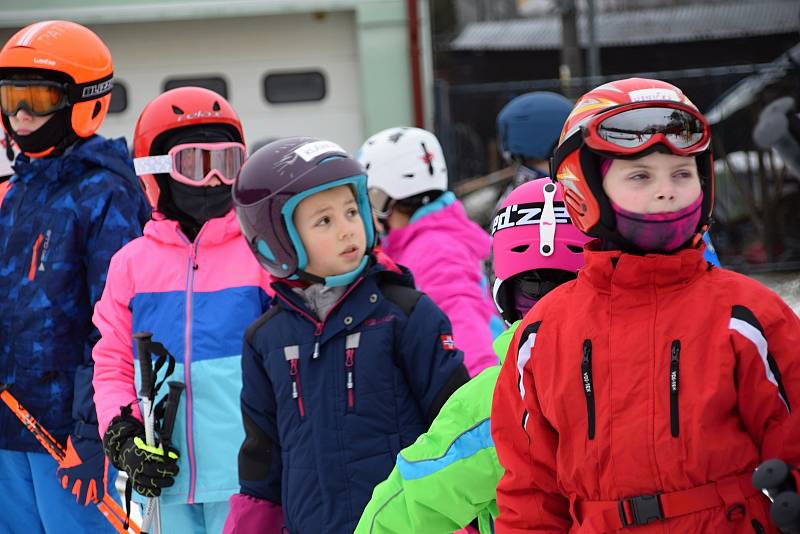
(445, 252)
(197, 299)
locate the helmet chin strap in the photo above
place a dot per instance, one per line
(336, 280)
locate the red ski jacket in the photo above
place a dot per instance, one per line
(645, 393)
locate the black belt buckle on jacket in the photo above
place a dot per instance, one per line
(643, 510)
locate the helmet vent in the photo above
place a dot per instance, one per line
(215, 107)
(366, 167)
(427, 157)
(97, 108)
(576, 249)
(520, 248)
(176, 110)
(408, 175)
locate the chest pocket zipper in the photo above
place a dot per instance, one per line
(588, 386)
(292, 355)
(350, 346)
(674, 366)
(37, 246)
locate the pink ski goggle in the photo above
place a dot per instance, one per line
(196, 163)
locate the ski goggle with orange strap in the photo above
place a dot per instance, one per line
(630, 129)
(196, 163)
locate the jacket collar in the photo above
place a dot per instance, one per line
(445, 199)
(354, 306)
(94, 151)
(213, 232)
(613, 268)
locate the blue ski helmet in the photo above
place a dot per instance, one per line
(529, 125)
(272, 183)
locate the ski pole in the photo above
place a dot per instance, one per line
(112, 511)
(151, 520)
(170, 413)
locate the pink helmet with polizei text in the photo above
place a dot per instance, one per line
(532, 230)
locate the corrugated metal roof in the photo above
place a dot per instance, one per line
(673, 24)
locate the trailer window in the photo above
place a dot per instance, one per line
(119, 98)
(288, 87)
(214, 83)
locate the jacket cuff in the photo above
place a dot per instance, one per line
(85, 430)
(250, 515)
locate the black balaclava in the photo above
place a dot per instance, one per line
(190, 205)
(56, 132)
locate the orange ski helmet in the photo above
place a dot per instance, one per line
(72, 51)
(179, 108)
(584, 141)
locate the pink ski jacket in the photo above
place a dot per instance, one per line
(197, 299)
(445, 252)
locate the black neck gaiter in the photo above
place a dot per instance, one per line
(56, 132)
(196, 205)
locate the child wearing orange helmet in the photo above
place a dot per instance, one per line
(72, 202)
(645, 392)
(192, 282)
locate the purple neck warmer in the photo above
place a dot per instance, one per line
(659, 232)
(523, 303)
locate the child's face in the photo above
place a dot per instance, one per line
(24, 123)
(332, 231)
(656, 183)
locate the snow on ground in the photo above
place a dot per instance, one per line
(787, 285)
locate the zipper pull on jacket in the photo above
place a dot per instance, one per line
(350, 346)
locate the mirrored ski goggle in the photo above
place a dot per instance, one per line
(380, 203)
(37, 97)
(632, 128)
(196, 163)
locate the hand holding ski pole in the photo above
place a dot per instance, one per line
(131, 444)
(107, 506)
(84, 470)
(151, 522)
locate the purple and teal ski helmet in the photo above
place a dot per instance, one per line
(271, 184)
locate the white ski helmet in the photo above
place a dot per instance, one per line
(403, 162)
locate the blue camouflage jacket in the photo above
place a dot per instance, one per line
(60, 222)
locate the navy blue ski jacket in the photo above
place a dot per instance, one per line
(322, 432)
(60, 222)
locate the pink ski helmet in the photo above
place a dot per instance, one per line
(532, 230)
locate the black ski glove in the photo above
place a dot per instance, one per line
(148, 468)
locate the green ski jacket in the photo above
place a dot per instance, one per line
(449, 475)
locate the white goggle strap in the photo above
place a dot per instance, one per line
(547, 223)
(496, 292)
(152, 165)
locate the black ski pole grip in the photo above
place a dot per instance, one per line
(143, 340)
(773, 476)
(170, 413)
